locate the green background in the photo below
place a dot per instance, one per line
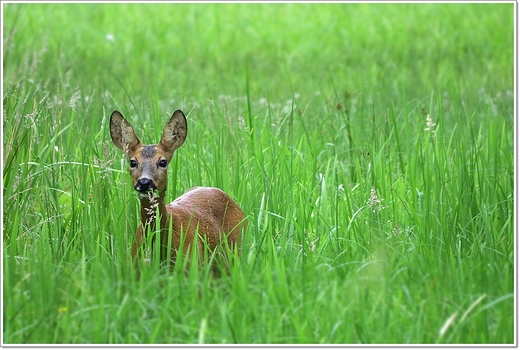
(370, 145)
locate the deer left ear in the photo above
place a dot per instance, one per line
(122, 133)
(174, 132)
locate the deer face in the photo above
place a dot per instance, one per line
(149, 163)
(148, 168)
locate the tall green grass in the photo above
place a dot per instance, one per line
(371, 146)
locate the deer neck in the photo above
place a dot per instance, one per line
(150, 208)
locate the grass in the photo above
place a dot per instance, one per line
(371, 146)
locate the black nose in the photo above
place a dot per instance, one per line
(144, 184)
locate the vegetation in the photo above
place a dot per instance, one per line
(371, 146)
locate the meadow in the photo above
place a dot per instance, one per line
(370, 145)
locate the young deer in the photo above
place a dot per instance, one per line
(203, 217)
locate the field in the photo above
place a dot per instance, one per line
(370, 145)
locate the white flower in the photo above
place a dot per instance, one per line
(374, 202)
(430, 125)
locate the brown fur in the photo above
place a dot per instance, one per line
(206, 211)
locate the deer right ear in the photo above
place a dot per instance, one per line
(175, 131)
(122, 133)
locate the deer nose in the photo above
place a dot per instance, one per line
(144, 184)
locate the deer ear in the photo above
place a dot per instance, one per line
(122, 133)
(175, 131)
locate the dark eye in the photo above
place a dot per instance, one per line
(163, 163)
(133, 163)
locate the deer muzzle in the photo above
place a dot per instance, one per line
(145, 184)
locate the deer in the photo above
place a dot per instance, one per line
(201, 218)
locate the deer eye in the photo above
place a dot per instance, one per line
(163, 163)
(133, 163)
